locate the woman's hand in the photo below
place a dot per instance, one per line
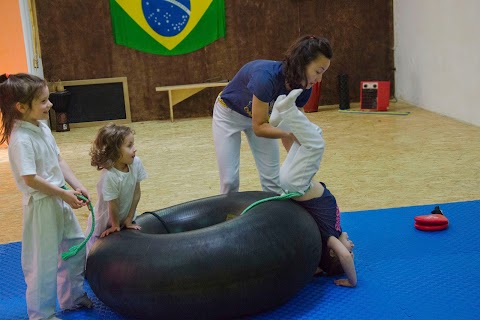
(289, 140)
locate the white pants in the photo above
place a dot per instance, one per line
(102, 219)
(227, 128)
(302, 161)
(49, 228)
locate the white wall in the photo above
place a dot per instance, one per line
(437, 56)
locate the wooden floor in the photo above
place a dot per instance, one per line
(371, 161)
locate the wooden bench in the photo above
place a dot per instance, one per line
(179, 93)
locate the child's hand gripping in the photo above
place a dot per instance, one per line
(74, 199)
(110, 230)
(85, 201)
(343, 283)
(131, 225)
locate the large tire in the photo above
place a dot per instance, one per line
(190, 262)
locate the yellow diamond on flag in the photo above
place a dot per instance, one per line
(198, 8)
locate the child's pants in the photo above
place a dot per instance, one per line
(302, 161)
(227, 128)
(49, 228)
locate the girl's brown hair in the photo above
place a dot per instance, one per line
(330, 264)
(303, 51)
(20, 87)
(106, 147)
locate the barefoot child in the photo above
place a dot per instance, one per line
(113, 152)
(49, 224)
(296, 174)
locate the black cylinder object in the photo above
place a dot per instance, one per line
(343, 91)
(194, 261)
(61, 101)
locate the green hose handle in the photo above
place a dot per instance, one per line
(281, 197)
(75, 249)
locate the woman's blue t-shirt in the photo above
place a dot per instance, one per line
(262, 78)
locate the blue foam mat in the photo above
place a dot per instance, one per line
(403, 273)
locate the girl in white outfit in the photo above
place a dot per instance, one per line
(49, 225)
(296, 175)
(113, 152)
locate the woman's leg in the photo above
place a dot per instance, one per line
(266, 153)
(227, 126)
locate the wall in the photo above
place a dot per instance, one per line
(77, 43)
(437, 56)
(12, 46)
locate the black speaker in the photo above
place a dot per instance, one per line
(343, 91)
(61, 102)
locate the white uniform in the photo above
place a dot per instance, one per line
(114, 184)
(232, 114)
(302, 161)
(227, 134)
(49, 225)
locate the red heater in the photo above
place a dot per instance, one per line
(313, 102)
(374, 95)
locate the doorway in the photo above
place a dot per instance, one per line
(20, 46)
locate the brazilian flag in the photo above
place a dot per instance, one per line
(167, 27)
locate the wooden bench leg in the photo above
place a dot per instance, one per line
(170, 102)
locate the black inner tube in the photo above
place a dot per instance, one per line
(159, 219)
(190, 262)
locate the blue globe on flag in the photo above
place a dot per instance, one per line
(166, 17)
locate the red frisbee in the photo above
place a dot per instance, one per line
(424, 227)
(431, 219)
